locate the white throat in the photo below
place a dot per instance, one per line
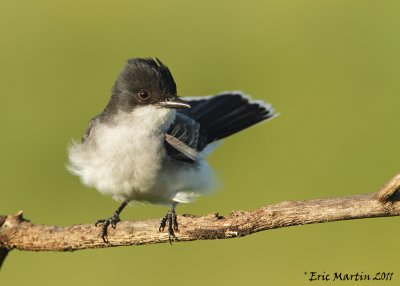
(148, 117)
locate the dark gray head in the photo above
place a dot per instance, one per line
(144, 81)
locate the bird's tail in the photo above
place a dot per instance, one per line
(227, 113)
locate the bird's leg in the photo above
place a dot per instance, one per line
(113, 220)
(170, 220)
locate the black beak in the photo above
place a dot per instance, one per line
(174, 102)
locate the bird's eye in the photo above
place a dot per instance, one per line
(144, 94)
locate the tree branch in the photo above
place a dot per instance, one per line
(17, 232)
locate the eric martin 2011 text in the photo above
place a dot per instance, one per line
(341, 276)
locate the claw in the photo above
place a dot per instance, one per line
(171, 221)
(175, 222)
(113, 220)
(99, 221)
(114, 223)
(104, 232)
(163, 223)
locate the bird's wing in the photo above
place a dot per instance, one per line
(226, 113)
(184, 140)
(92, 123)
(212, 118)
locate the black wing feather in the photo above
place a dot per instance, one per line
(184, 140)
(227, 113)
(214, 118)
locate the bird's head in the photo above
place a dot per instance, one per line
(144, 82)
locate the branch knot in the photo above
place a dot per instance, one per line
(390, 191)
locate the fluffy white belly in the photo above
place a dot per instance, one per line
(128, 161)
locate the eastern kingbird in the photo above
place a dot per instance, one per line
(149, 145)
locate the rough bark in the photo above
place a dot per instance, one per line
(19, 233)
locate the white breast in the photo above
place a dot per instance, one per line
(127, 160)
(123, 159)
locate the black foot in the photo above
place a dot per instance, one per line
(172, 222)
(113, 220)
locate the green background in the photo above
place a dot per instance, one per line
(331, 68)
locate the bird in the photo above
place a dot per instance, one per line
(150, 145)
